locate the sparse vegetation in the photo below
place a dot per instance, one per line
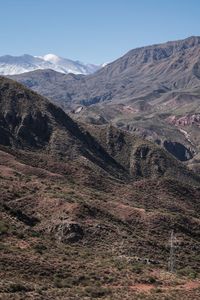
(4, 228)
(18, 287)
(90, 225)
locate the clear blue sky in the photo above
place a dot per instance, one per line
(93, 31)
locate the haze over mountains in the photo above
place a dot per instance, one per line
(10, 65)
(153, 91)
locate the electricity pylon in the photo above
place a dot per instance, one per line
(173, 241)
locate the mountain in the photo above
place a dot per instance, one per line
(142, 72)
(10, 65)
(152, 91)
(29, 121)
(67, 188)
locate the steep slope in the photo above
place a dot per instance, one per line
(29, 121)
(69, 188)
(153, 91)
(51, 82)
(52, 216)
(11, 65)
(154, 69)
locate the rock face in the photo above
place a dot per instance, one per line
(31, 127)
(178, 150)
(186, 120)
(68, 232)
(21, 121)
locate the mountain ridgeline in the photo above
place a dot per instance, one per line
(11, 65)
(68, 187)
(158, 68)
(152, 91)
(29, 121)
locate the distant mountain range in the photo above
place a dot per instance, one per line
(153, 91)
(11, 65)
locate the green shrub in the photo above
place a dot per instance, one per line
(35, 234)
(189, 272)
(137, 268)
(63, 283)
(39, 248)
(97, 292)
(17, 287)
(151, 280)
(4, 228)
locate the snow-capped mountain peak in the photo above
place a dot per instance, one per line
(52, 58)
(11, 65)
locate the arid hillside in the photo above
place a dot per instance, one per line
(152, 91)
(87, 211)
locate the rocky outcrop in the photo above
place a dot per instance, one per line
(189, 119)
(178, 150)
(196, 69)
(68, 232)
(30, 128)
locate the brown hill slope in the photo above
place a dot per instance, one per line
(90, 216)
(30, 122)
(66, 231)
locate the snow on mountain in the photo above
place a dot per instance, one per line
(52, 58)
(11, 65)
